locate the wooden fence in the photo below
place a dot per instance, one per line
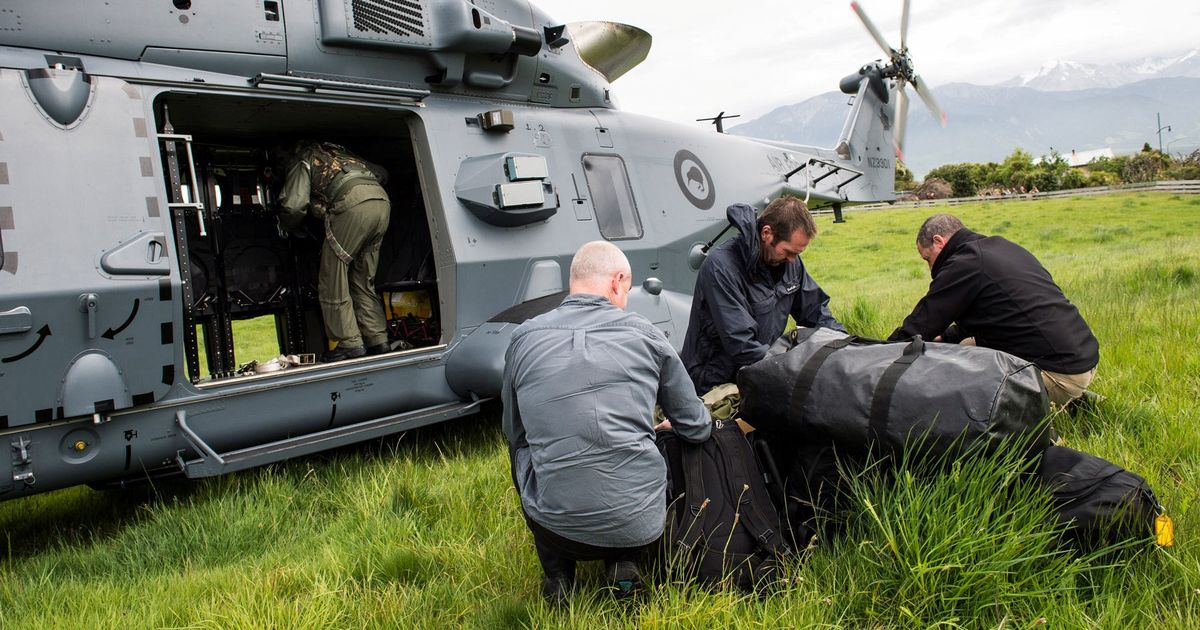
(1186, 187)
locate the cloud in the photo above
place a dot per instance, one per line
(750, 57)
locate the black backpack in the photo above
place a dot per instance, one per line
(814, 489)
(722, 527)
(1099, 502)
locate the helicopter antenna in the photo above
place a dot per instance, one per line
(901, 69)
(718, 120)
(708, 245)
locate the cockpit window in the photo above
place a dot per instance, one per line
(612, 197)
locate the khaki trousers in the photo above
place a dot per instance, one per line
(1062, 388)
(351, 308)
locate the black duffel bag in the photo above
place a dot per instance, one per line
(721, 526)
(1098, 502)
(820, 384)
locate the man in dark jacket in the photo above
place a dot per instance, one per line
(746, 289)
(990, 292)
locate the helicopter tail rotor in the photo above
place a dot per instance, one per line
(900, 68)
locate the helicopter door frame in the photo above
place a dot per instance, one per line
(206, 194)
(186, 200)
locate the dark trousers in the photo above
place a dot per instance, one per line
(558, 555)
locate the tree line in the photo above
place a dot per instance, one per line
(1020, 173)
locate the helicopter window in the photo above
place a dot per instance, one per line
(612, 197)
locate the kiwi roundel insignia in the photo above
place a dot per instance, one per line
(694, 180)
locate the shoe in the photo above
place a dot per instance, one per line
(341, 354)
(379, 348)
(557, 589)
(624, 579)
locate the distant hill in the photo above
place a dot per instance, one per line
(987, 122)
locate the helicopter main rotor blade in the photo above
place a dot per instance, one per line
(874, 31)
(927, 96)
(904, 27)
(901, 118)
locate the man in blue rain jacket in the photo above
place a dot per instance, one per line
(746, 289)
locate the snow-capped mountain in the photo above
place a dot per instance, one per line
(988, 122)
(1063, 75)
(1064, 106)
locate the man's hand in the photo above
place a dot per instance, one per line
(665, 425)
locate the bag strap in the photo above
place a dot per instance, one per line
(694, 495)
(773, 478)
(735, 451)
(800, 334)
(882, 399)
(804, 380)
(661, 441)
(776, 491)
(335, 246)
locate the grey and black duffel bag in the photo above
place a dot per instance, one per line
(820, 384)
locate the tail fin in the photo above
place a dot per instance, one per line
(867, 140)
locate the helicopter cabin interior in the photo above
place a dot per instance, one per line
(223, 169)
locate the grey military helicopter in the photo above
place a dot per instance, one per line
(138, 220)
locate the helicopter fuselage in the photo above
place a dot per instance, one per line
(137, 224)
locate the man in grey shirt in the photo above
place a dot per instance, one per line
(580, 384)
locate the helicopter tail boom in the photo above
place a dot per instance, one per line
(867, 136)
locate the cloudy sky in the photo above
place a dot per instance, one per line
(751, 56)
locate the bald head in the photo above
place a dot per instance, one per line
(601, 268)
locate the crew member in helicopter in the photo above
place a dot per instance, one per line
(332, 184)
(747, 287)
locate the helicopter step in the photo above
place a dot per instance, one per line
(212, 463)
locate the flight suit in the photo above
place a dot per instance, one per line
(330, 183)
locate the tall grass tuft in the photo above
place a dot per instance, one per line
(863, 318)
(955, 541)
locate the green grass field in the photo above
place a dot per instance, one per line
(423, 530)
